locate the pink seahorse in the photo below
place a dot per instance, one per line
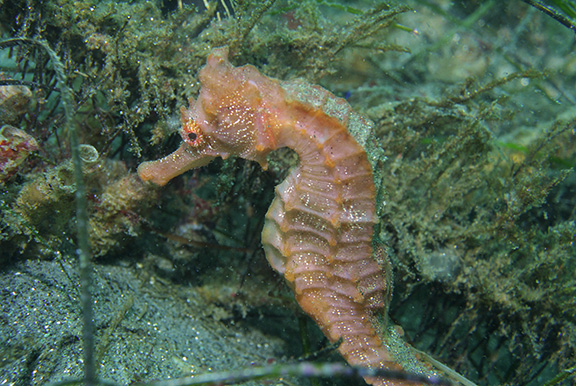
(319, 228)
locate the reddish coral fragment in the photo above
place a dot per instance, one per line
(15, 146)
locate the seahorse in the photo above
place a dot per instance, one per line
(319, 228)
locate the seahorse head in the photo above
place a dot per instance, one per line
(220, 127)
(228, 118)
(236, 112)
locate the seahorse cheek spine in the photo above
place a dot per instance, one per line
(318, 230)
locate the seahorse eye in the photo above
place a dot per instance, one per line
(192, 133)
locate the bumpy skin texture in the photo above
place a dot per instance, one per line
(319, 228)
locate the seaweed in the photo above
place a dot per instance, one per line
(556, 10)
(476, 228)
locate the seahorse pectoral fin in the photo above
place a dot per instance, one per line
(163, 170)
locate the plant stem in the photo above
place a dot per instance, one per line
(83, 251)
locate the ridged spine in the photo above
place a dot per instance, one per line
(319, 228)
